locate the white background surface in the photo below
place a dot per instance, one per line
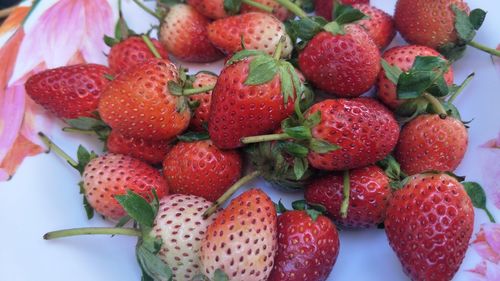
(43, 195)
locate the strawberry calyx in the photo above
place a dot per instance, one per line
(193, 136)
(393, 171)
(122, 31)
(184, 86)
(89, 125)
(466, 26)
(313, 210)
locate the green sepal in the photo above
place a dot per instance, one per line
(391, 168)
(392, 72)
(83, 158)
(313, 214)
(101, 129)
(123, 221)
(243, 55)
(478, 197)
(200, 277)
(322, 146)
(476, 18)
(262, 70)
(306, 5)
(298, 132)
(463, 25)
(411, 109)
(300, 166)
(280, 208)
(307, 28)
(344, 14)
(193, 136)
(451, 110)
(150, 262)
(232, 7)
(220, 275)
(334, 28)
(138, 209)
(110, 41)
(452, 51)
(299, 205)
(294, 149)
(175, 88)
(193, 105)
(89, 211)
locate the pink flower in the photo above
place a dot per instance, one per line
(490, 156)
(487, 245)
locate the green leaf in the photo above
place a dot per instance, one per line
(280, 208)
(220, 275)
(137, 208)
(294, 149)
(334, 28)
(307, 28)
(300, 166)
(425, 73)
(232, 7)
(463, 26)
(262, 70)
(152, 265)
(299, 205)
(478, 197)
(344, 14)
(244, 54)
(313, 214)
(193, 136)
(392, 72)
(110, 41)
(322, 146)
(299, 132)
(476, 18)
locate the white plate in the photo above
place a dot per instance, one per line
(43, 195)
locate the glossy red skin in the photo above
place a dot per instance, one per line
(342, 65)
(200, 168)
(379, 25)
(429, 224)
(365, 130)
(199, 120)
(307, 249)
(69, 92)
(429, 143)
(113, 174)
(138, 103)
(239, 110)
(183, 33)
(324, 8)
(427, 22)
(368, 197)
(152, 152)
(403, 57)
(130, 52)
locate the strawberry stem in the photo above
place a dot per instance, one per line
(193, 91)
(345, 192)
(279, 48)
(92, 231)
(293, 8)
(264, 138)
(151, 46)
(263, 7)
(230, 193)
(461, 88)
(490, 216)
(147, 10)
(79, 131)
(57, 150)
(484, 48)
(436, 104)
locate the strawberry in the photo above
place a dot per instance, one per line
(218, 9)
(379, 25)
(403, 57)
(181, 227)
(249, 100)
(149, 151)
(69, 91)
(200, 116)
(254, 31)
(183, 33)
(324, 8)
(106, 176)
(446, 25)
(429, 223)
(130, 52)
(430, 142)
(368, 198)
(139, 104)
(242, 241)
(307, 247)
(200, 168)
(278, 11)
(364, 129)
(212, 9)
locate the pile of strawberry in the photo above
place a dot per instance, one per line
(176, 143)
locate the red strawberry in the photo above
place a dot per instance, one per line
(379, 25)
(365, 130)
(199, 168)
(180, 225)
(242, 241)
(403, 57)
(324, 8)
(429, 223)
(260, 31)
(353, 62)
(200, 116)
(428, 22)
(69, 91)
(430, 142)
(212, 9)
(307, 248)
(130, 52)
(279, 11)
(240, 110)
(183, 32)
(109, 175)
(149, 151)
(368, 198)
(138, 103)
